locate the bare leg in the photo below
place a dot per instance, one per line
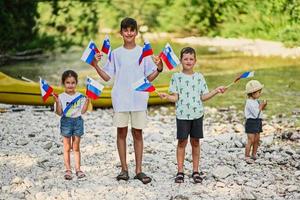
(249, 144)
(181, 153)
(138, 148)
(76, 150)
(195, 153)
(256, 143)
(121, 143)
(67, 148)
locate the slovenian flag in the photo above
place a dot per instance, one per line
(147, 51)
(46, 90)
(169, 57)
(143, 85)
(106, 48)
(89, 53)
(93, 88)
(245, 75)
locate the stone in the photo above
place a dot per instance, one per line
(222, 172)
(47, 146)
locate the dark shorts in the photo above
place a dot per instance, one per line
(71, 126)
(194, 128)
(253, 126)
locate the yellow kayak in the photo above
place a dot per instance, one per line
(14, 91)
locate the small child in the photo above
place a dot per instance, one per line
(188, 90)
(253, 114)
(70, 105)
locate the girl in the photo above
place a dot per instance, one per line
(188, 90)
(253, 114)
(70, 105)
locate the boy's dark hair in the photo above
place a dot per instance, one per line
(187, 50)
(69, 73)
(128, 23)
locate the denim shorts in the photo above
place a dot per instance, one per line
(71, 126)
(253, 126)
(194, 128)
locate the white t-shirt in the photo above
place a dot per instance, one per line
(75, 110)
(125, 68)
(252, 109)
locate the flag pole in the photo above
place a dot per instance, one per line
(229, 85)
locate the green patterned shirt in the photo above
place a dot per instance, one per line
(189, 89)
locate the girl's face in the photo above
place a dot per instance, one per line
(128, 34)
(70, 84)
(188, 61)
(256, 94)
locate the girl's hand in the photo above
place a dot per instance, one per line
(163, 96)
(157, 60)
(263, 104)
(55, 97)
(221, 89)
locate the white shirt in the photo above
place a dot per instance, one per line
(252, 109)
(125, 68)
(75, 110)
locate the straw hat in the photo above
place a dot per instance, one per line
(253, 86)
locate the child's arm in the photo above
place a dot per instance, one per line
(99, 70)
(58, 106)
(159, 65)
(211, 94)
(169, 97)
(263, 105)
(86, 105)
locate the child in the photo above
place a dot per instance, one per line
(253, 114)
(188, 89)
(127, 103)
(70, 105)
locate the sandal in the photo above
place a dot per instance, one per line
(68, 175)
(196, 177)
(249, 160)
(123, 176)
(179, 177)
(80, 174)
(254, 158)
(143, 178)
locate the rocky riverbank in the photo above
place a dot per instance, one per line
(31, 161)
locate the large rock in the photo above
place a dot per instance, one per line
(222, 172)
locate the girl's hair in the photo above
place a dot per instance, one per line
(69, 73)
(187, 50)
(128, 23)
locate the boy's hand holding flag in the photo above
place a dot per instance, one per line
(169, 57)
(89, 53)
(46, 90)
(93, 88)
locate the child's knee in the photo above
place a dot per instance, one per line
(182, 143)
(195, 142)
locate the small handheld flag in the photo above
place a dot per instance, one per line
(93, 88)
(106, 45)
(244, 75)
(46, 90)
(89, 53)
(169, 57)
(147, 51)
(143, 85)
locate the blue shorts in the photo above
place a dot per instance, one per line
(253, 126)
(71, 126)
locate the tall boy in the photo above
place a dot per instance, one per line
(127, 103)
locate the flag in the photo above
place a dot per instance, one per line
(46, 90)
(143, 85)
(89, 53)
(245, 75)
(169, 57)
(106, 48)
(93, 88)
(106, 45)
(147, 51)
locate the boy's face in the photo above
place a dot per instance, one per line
(188, 61)
(256, 94)
(128, 34)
